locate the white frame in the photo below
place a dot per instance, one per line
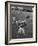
(34, 25)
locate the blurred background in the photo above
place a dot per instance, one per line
(19, 14)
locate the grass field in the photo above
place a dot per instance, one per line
(21, 15)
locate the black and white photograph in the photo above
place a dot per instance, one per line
(20, 22)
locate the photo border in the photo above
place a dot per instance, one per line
(6, 21)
